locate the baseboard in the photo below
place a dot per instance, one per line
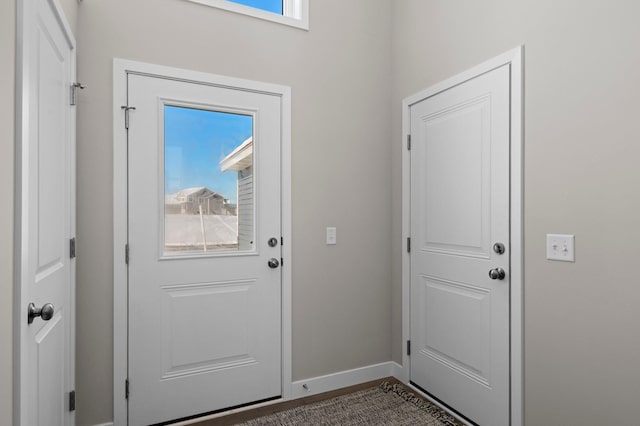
(342, 379)
(104, 424)
(399, 372)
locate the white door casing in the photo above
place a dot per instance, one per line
(45, 216)
(462, 180)
(173, 301)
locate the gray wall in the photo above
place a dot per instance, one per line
(339, 73)
(7, 108)
(582, 177)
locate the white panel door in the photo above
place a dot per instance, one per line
(204, 308)
(459, 211)
(47, 205)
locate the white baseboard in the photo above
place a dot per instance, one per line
(104, 424)
(399, 372)
(315, 385)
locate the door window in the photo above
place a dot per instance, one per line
(208, 181)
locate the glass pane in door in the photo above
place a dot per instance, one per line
(208, 181)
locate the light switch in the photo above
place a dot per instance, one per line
(561, 247)
(331, 235)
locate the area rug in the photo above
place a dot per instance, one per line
(387, 404)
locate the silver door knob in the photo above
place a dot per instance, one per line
(273, 263)
(497, 274)
(46, 312)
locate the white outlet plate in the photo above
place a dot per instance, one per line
(331, 236)
(561, 247)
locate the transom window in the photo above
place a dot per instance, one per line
(274, 6)
(294, 13)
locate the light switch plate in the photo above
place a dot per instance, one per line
(561, 247)
(331, 235)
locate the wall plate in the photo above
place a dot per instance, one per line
(561, 247)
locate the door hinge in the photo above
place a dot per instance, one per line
(72, 248)
(281, 241)
(126, 115)
(126, 254)
(409, 245)
(74, 92)
(72, 400)
(408, 347)
(126, 389)
(409, 142)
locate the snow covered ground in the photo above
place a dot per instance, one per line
(184, 232)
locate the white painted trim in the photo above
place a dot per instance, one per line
(103, 424)
(342, 379)
(23, 118)
(296, 12)
(398, 372)
(517, 237)
(120, 238)
(287, 252)
(513, 58)
(120, 69)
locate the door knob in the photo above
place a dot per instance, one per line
(273, 263)
(497, 274)
(46, 312)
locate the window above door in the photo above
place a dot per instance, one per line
(294, 13)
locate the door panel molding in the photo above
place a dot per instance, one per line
(122, 68)
(514, 59)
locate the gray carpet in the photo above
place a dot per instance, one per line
(387, 404)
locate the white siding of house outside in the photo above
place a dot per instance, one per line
(245, 213)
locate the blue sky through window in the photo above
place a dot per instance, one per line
(274, 6)
(195, 142)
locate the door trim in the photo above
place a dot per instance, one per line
(24, 42)
(121, 68)
(513, 58)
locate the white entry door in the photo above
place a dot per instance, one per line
(46, 223)
(204, 248)
(461, 247)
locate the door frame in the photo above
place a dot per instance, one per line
(121, 68)
(514, 59)
(23, 148)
